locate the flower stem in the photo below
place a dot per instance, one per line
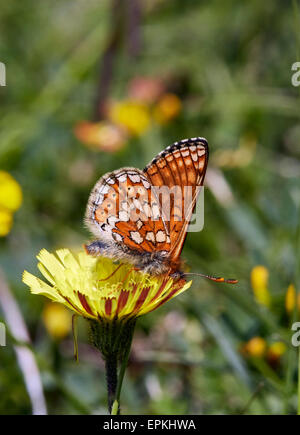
(111, 379)
(124, 362)
(113, 339)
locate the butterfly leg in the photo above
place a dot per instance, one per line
(112, 274)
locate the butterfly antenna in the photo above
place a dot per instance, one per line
(214, 278)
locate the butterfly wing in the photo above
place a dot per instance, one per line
(181, 168)
(122, 210)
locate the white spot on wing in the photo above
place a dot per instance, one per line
(160, 236)
(122, 178)
(146, 183)
(139, 224)
(134, 178)
(110, 180)
(136, 237)
(123, 216)
(150, 236)
(112, 220)
(104, 189)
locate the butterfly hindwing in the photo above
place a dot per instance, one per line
(122, 209)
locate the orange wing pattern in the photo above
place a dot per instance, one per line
(122, 208)
(181, 168)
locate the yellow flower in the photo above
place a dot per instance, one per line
(291, 298)
(259, 282)
(132, 115)
(10, 192)
(6, 220)
(167, 108)
(57, 320)
(97, 288)
(275, 352)
(10, 201)
(255, 347)
(277, 349)
(109, 296)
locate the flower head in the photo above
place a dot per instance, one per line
(57, 320)
(259, 282)
(255, 347)
(132, 115)
(167, 108)
(10, 201)
(291, 299)
(97, 288)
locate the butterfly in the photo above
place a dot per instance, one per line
(142, 216)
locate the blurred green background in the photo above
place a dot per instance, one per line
(92, 86)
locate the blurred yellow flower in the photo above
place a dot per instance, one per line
(6, 220)
(275, 352)
(102, 135)
(10, 201)
(132, 115)
(255, 347)
(97, 288)
(277, 349)
(167, 108)
(57, 320)
(10, 192)
(291, 298)
(259, 282)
